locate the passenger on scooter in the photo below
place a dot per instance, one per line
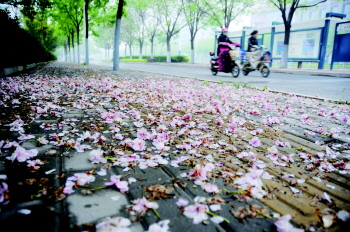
(252, 41)
(253, 55)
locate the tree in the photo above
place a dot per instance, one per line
(288, 8)
(37, 25)
(117, 35)
(86, 17)
(128, 32)
(194, 14)
(138, 10)
(223, 12)
(35, 16)
(29, 8)
(103, 27)
(104, 38)
(65, 28)
(94, 12)
(152, 26)
(72, 11)
(170, 11)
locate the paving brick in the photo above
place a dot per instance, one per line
(91, 208)
(78, 161)
(73, 115)
(33, 144)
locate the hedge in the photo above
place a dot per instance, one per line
(174, 59)
(18, 47)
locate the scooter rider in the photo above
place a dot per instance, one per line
(223, 39)
(252, 41)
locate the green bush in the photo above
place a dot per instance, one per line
(158, 59)
(180, 59)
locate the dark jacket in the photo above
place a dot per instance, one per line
(222, 39)
(251, 42)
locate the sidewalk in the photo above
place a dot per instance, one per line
(88, 144)
(314, 72)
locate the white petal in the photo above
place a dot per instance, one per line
(217, 219)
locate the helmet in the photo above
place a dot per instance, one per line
(224, 29)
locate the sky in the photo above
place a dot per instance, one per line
(243, 21)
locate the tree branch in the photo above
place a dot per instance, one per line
(305, 6)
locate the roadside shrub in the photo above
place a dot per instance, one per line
(180, 59)
(17, 46)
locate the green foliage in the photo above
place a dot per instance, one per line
(28, 8)
(241, 85)
(18, 47)
(236, 85)
(222, 13)
(44, 32)
(104, 37)
(245, 85)
(180, 59)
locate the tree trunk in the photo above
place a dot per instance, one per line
(192, 50)
(117, 35)
(284, 60)
(73, 47)
(69, 53)
(86, 31)
(168, 54)
(78, 45)
(227, 22)
(65, 52)
(140, 55)
(130, 51)
(152, 48)
(126, 48)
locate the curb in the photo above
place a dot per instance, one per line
(310, 73)
(17, 69)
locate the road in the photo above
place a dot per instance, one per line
(310, 85)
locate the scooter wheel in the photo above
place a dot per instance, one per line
(214, 72)
(265, 71)
(235, 71)
(245, 69)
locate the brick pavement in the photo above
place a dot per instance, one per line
(291, 186)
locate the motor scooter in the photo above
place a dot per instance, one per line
(229, 55)
(256, 61)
